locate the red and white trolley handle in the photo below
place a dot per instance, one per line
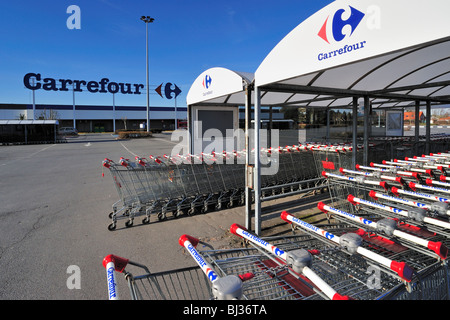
(415, 186)
(431, 182)
(113, 263)
(398, 191)
(305, 270)
(362, 180)
(403, 270)
(375, 195)
(437, 247)
(229, 287)
(400, 212)
(190, 243)
(384, 177)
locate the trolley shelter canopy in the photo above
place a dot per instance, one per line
(219, 86)
(391, 53)
(395, 52)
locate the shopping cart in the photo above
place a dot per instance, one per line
(131, 186)
(317, 262)
(160, 185)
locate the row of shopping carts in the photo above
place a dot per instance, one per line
(387, 237)
(177, 185)
(330, 262)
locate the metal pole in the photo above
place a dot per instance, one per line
(328, 126)
(248, 191)
(74, 121)
(147, 20)
(428, 129)
(114, 113)
(417, 127)
(257, 171)
(148, 91)
(176, 118)
(34, 101)
(355, 131)
(366, 130)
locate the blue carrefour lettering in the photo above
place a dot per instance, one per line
(111, 284)
(196, 256)
(344, 50)
(32, 81)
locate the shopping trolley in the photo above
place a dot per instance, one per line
(132, 187)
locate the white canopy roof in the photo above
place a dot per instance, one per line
(396, 52)
(393, 50)
(219, 86)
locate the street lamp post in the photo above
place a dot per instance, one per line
(147, 20)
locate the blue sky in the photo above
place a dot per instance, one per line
(187, 37)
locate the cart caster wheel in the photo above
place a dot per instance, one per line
(203, 210)
(146, 220)
(178, 213)
(129, 223)
(110, 215)
(191, 212)
(162, 216)
(112, 227)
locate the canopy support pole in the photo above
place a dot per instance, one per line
(428, 131)
(257, 171)
(416, 127)
(248, 191)
(354, 131)
(328, 126)
(366, 130)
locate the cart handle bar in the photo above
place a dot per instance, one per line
(113, 263)
(401, 268)
(242, 232)
(190, 242)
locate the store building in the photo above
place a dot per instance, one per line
(97, 118)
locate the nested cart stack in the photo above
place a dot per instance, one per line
(319, 262)
(387, 237)
(200, 183)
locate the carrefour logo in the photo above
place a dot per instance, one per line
(338, 24)
(207, 82)
(336, 28)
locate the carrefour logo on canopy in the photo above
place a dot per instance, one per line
(337, 28)
(207, 82)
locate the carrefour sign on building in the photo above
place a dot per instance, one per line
(34, 81)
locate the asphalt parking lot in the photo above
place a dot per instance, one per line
(54, 215)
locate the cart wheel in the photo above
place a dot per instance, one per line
(162, 216)
(203, 210)
(146, 220)
(110, 215)
(112, 226)
(177, 214)
(129, 223)
(191, 212)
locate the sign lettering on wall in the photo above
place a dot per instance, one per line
(34, 81)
